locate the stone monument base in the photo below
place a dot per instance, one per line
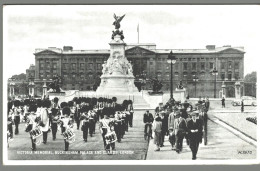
(116, 85)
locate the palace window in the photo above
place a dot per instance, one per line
(211, 65)
(41, 66)
(54, 65)
(229, 64)
(229, 75)
(176, 66)
(236, 65)
(73, 66)
(194, 66)
(236, 75)
(48, 65)
(222, 65)
(223, 76)
(98, 66)
(185, 66)
(202, 66)
(90, 66)
(82, 66)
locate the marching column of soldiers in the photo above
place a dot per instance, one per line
(179, 121)
(43, 115)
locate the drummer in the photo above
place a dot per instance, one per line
(66, 124)
(32, 123)
(106, 127)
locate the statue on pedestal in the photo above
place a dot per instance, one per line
(116, 23)
(54, 86)
(180, 86)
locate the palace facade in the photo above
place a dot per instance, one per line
(80, 69)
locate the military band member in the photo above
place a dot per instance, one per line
(92, 122)
(77, 113)
(67, 124)
(130, 109)
(100, 109)
(84, 123)
(32, 123)
(106, 126)
(118, 126)
(195, 132)
(10, 124)
(16, 114)
(45, 119)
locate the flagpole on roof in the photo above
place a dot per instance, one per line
(138, 32)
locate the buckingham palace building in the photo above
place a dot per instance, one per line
(80, 69)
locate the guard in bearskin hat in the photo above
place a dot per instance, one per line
(16, 116)
(45, 119)
(84, 122)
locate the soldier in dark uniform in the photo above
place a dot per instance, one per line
(85, 122)
(16, 116)
(92, 123)
(54, 117)
(77, 113)
(118, 126)
(131, 111)
(194, 127)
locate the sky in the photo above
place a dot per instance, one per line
(27, 27)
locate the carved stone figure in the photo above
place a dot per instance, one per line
(117, 21)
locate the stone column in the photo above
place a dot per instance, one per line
(12, 84)
(31, 88)
(44, 93)
(237, 90)
(223, 87)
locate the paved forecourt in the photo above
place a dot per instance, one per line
(132, 147)
(222, 145)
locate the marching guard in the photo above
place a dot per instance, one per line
(131, 111)
(45, 119)
(32, 125)
(108, 134)
(67, 125)
(16, 116)
(84, 123)
(118, 126)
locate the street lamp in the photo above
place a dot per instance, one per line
(215, 73)
(171, 60)
(195, 79)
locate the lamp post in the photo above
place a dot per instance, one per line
(171, 60)
(195, 79)
(215, 73)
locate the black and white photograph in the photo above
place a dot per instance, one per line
(130, 84)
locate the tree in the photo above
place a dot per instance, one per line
(250, 84)
(251, 77)
(21, 76)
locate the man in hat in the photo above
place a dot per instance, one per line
(171, 119)
(180, 129)
(194, 127)
(148, 120)
(164, 120)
